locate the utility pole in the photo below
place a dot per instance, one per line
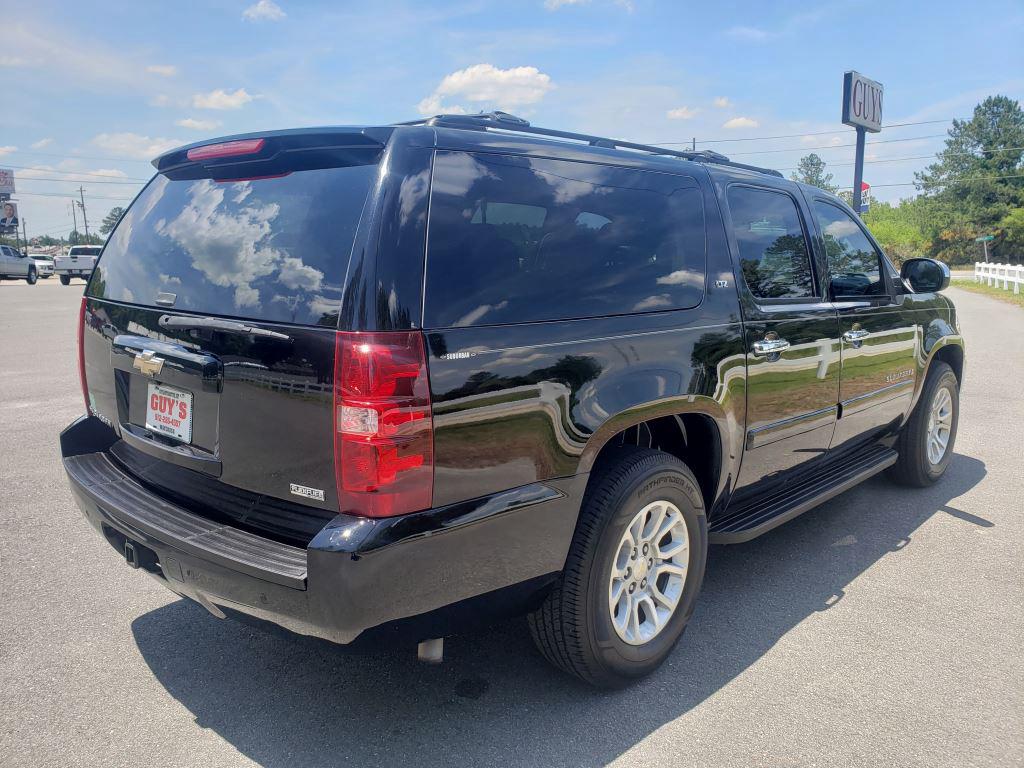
(24, 233)
(74, 220)
(694, 145)
(85, 221)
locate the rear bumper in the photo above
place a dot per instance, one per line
(360, 580)
(73, 272)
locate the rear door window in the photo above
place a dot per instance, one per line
(272, 249)
(774, 256)
(516, 239)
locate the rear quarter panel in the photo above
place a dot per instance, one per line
(517, 404)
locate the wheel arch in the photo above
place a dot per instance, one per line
(949, 349)
(696, 432)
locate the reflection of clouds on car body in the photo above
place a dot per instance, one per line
(682, 277)
(477, 314)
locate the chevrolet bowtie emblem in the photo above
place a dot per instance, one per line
(148, 363)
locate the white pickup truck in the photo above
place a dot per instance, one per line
(78, 262)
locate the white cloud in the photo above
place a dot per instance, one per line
(221, 99)
(160, 100)
(7, 150)
(264, 10)
(134, 145)
(740, 122)
(487, 84)
(14, 61)
(722, 102)
(164, 70)
(42, 143)
(198, 125)
(748, 33)
(682, 113)
(432, 106)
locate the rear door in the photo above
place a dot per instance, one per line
(791, 332)
(881, 339)
(211, 322)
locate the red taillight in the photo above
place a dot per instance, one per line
(81, 354)
(226, 149)
(383, 428)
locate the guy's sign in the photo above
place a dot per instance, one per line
(862, 102)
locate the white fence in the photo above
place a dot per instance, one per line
(1007, 274)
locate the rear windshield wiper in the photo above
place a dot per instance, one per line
(181, 322)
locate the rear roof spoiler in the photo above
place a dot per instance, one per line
(276, 142)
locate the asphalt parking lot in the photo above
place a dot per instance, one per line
(885, 628)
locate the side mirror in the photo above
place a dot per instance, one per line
(925, 275)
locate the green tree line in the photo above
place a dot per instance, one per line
(975, 187)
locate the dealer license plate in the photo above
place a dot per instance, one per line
(169, 412)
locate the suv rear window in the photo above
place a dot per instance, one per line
(517, 239)
(272, 249)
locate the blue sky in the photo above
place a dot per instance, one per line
(91, 95)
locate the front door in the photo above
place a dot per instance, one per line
(791, 334)
(880, 340)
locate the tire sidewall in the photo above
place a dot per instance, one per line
(946, 379)
(655, 484)
(31, 277)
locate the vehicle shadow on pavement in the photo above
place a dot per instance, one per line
(285, 703)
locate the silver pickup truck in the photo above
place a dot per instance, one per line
(78, 262)
(15, 265)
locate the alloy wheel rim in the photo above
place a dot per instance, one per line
(940, 425)
(648, 572)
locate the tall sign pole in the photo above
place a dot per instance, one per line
(862, 109)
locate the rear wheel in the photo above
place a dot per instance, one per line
(925, 443)
(30, 278)
(633, 573)
(65, 280)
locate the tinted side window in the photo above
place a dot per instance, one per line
(774, 256)
(853, 262)
(515, 239)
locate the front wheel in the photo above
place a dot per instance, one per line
(925, 444)
(65, 280)
(634, 570)
(30, 278)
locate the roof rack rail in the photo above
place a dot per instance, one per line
(505, 122)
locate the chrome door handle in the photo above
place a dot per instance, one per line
(770, 347)
(855, 335)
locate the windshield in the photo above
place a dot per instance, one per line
(272, 249)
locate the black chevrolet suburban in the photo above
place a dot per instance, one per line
(383, 385)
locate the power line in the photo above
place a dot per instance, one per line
(915, 157)
(68, 195)
(790, 135)
(947, 183)
(82, 157)
(77, 181)
(836, 146)
(71, 173)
